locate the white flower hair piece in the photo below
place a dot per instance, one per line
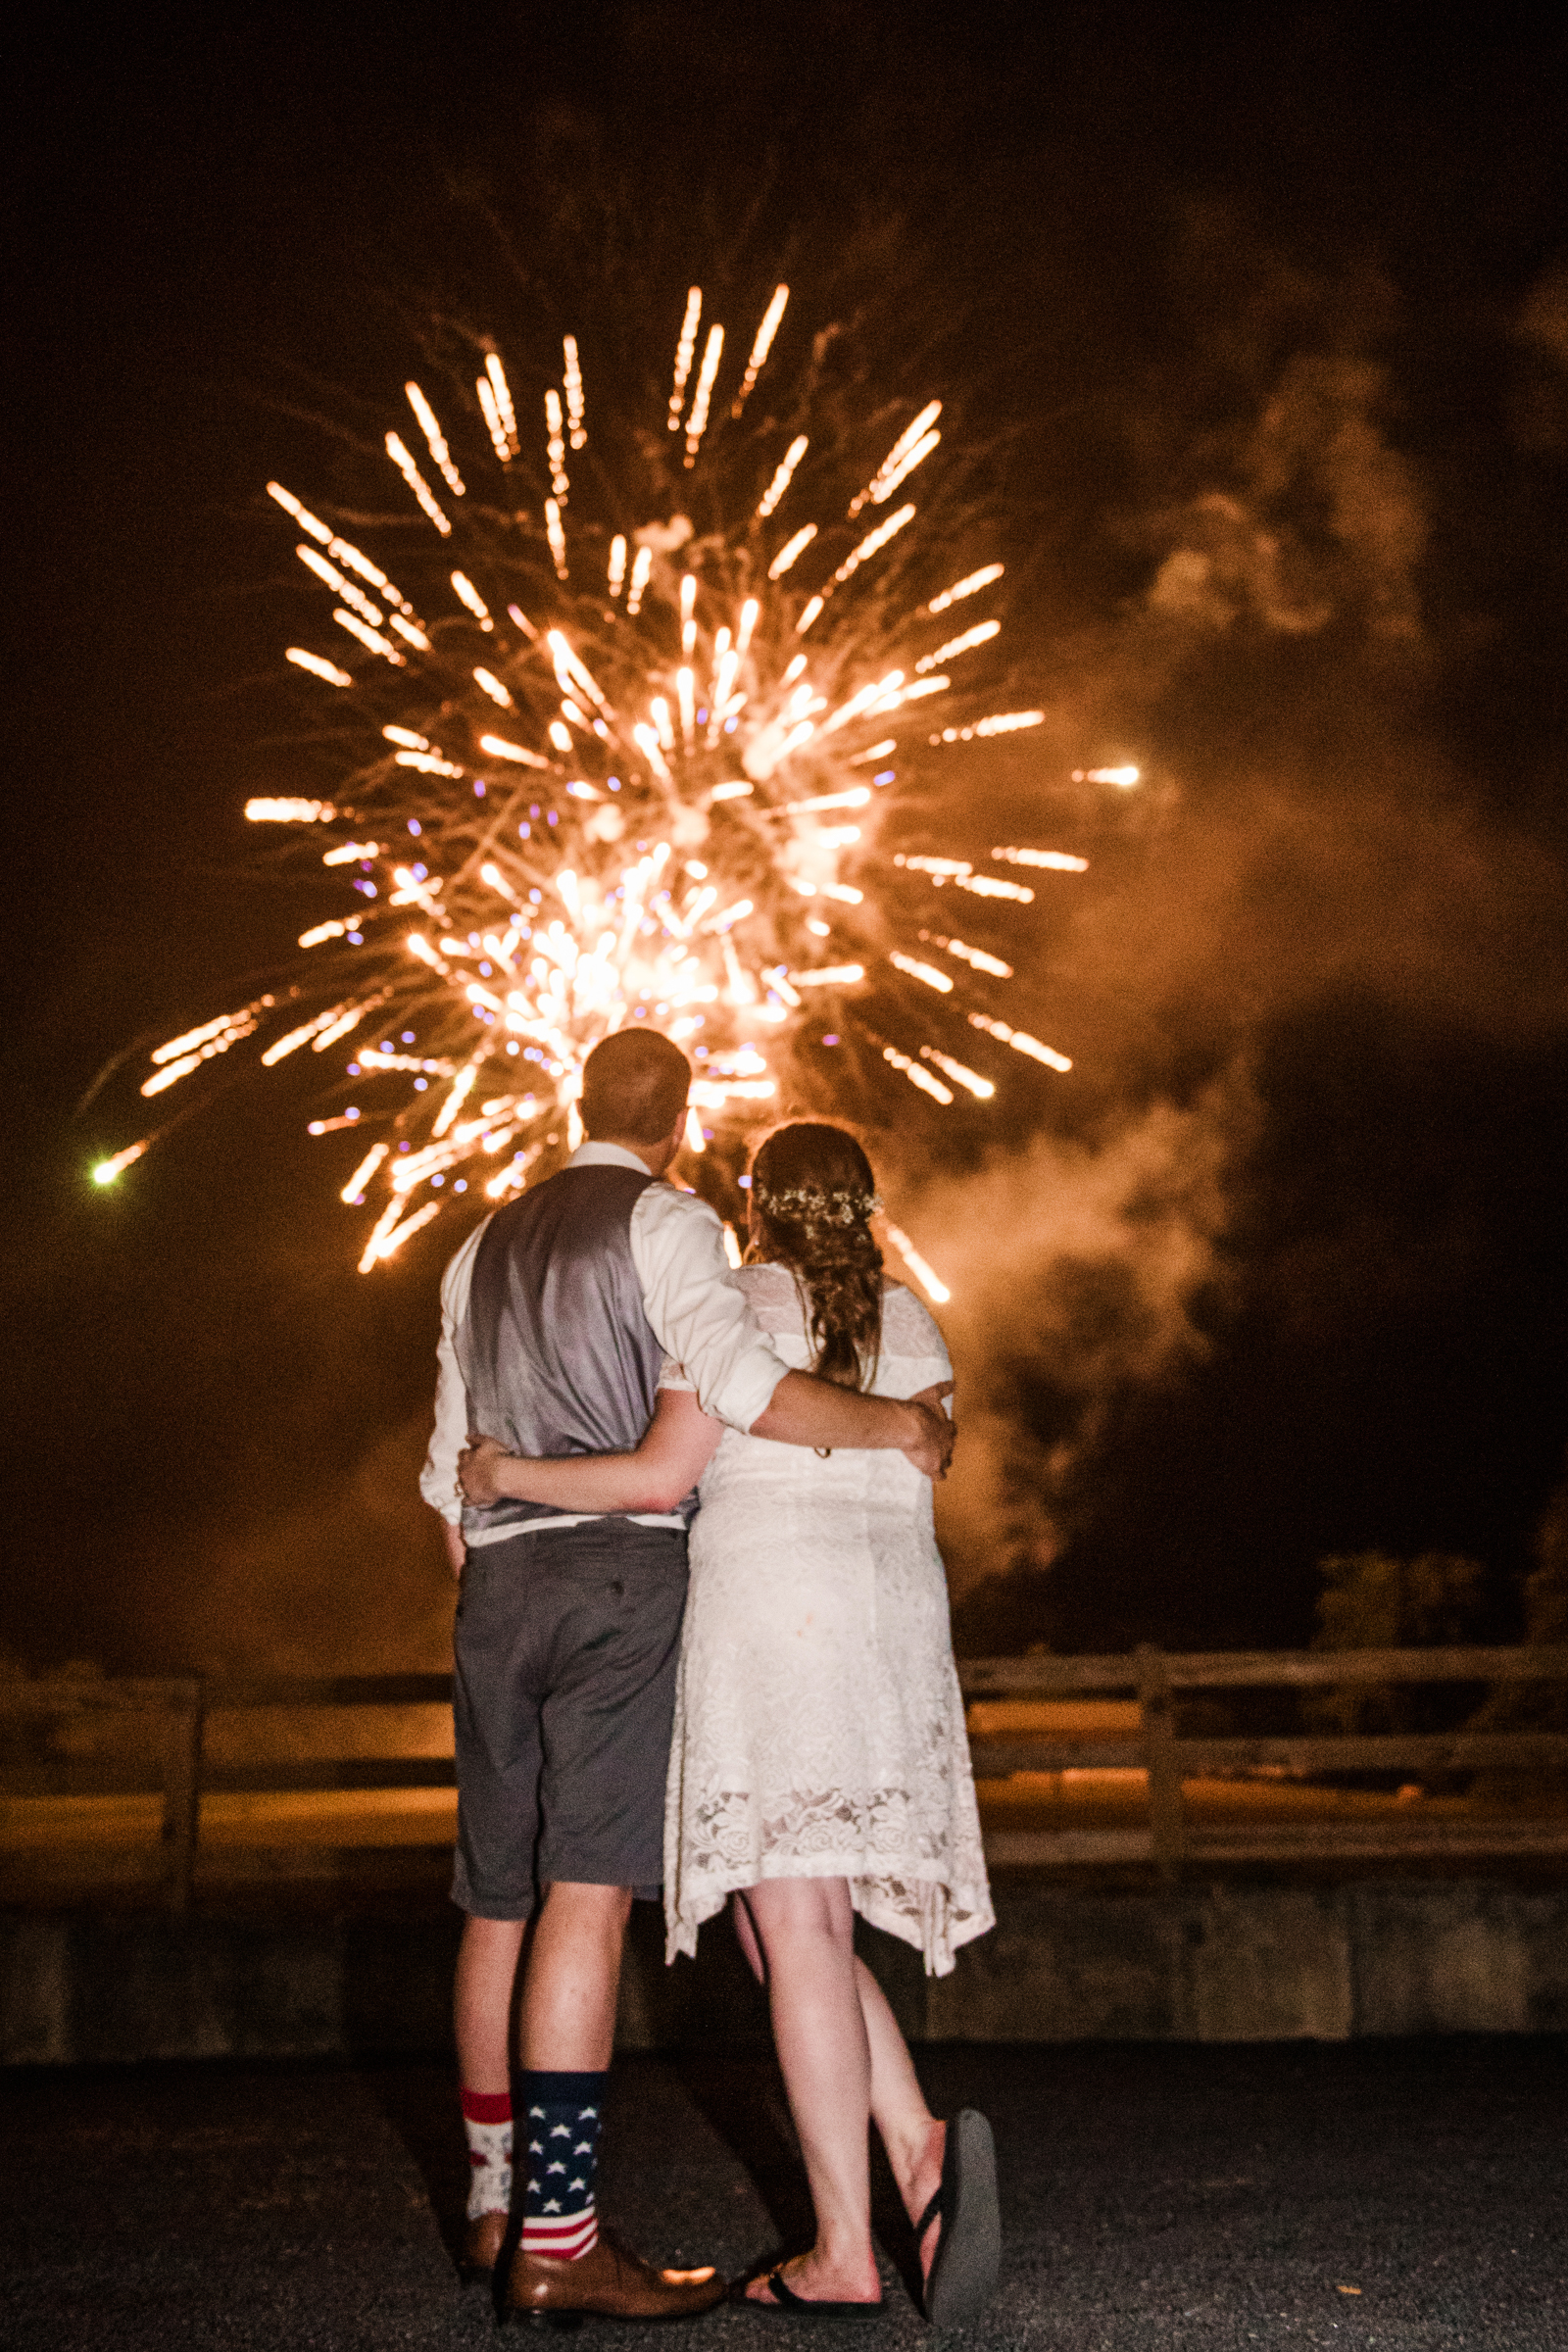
(810, 1204)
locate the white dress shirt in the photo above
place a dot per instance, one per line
(698, 1318)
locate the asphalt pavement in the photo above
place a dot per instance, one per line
(1404, 2194)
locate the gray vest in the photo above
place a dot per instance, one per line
(555, 1349)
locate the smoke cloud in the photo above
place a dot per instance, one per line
(1075, 1269)
(1319, 925)
(1250, 553)
(345, 1580)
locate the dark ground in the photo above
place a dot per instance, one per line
(1152, 2196)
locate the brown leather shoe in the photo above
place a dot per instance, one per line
(481, 2244)
(608, 2281)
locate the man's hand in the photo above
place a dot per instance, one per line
(931, 1442)
(457, 1549)
(476, 1470)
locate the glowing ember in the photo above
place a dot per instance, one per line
(434, 438)
(417, 483)
(1058, 861)
(290, 813)
(937, 1292)
(683, 356)
(318, 666)
(108, 1169)
(965, 587)
(762, 347)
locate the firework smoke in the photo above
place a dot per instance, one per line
(1087, 1258)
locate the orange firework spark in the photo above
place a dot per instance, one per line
(657, 834)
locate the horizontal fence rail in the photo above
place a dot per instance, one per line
(1042, 1676)
(1170, 1760)
(1151, 1746)
(187, 1703)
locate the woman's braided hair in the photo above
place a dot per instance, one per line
(812, 1199)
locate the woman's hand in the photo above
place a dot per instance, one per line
(476, 1470)
(934, 1399)
(932, 1449)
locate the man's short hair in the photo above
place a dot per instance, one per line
(635, 1084)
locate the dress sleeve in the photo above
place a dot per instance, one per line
(700, 1317)
(915, 1354)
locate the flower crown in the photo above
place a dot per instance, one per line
(815, 1204)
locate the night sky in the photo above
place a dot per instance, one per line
(1260, 320)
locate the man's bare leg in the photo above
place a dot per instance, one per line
(567, 2021)
(567, 2025)
(481, 2013)
(567, 2033)
(481, 2002)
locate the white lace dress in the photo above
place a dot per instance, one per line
(820, 1729)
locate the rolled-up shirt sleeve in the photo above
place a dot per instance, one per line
(438, 1480)
(698, 1318)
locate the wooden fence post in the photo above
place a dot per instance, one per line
(1167, 1817)
(182, 1793)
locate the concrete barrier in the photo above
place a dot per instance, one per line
(1222, 1962)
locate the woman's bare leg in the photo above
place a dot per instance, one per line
(804, 1929)
(911, 2133)
(914, 2138)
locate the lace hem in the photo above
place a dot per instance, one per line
(933, 1915)
(928, 1888)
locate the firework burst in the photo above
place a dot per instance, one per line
(621, 770)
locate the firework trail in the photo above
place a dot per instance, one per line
(619, 770)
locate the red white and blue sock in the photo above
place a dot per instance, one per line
(487, 2126)
(560, 2114)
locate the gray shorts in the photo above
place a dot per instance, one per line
(566, 1649)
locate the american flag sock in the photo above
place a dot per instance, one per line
(487, 2125)
(560, 2114)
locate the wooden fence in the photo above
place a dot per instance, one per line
(184, 1704)
(1154, 1745)
(1172, 1759)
